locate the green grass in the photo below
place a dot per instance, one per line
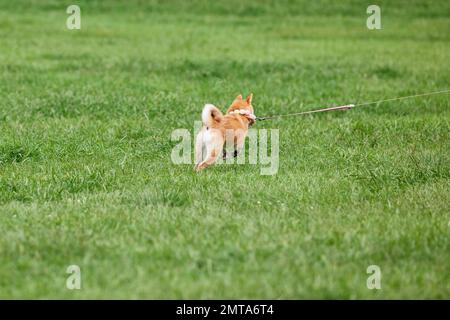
(86, 176)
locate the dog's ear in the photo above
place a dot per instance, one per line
(239, 97)
(249, 98)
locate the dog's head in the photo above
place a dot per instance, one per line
(243, 104)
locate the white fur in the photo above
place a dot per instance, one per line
(206, 113)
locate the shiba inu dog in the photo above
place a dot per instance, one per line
(218, 129)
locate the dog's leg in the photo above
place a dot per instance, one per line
(240, 140)
(199, 148)
(229, 145)
(214, 149)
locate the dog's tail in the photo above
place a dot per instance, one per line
(211, 115)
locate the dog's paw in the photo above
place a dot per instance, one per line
(235, 154)
(198, 167)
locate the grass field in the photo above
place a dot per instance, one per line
(85, 171)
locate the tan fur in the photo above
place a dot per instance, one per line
(215, 128)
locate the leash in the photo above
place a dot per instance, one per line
(349, 106)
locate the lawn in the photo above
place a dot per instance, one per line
(86, 176)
